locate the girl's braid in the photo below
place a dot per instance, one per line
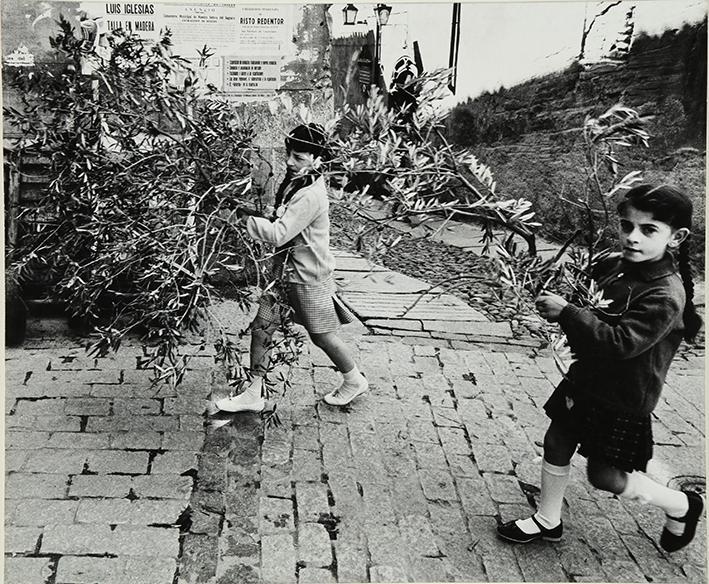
(692, 321)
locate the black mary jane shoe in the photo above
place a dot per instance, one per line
(510, 532)
(671, 542)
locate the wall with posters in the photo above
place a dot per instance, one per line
(255, 50)
(258, 53)
(248, 45)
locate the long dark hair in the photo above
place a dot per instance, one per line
(308, 138)
(670, 205)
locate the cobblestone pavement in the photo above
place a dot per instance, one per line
(99, 466)
(409, 483)
(110, 482)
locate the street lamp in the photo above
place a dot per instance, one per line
(350, 14)
(455, 45)
(383, 11)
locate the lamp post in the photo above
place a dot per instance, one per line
(349, 13)
(383, 11)
(455, 43)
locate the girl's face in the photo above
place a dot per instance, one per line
(299, 161)
(644, 239)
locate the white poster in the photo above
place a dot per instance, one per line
(252, 75)
(246, 43)
(141, 18)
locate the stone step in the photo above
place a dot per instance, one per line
(464, 327)
(410, 306)
(381, 281)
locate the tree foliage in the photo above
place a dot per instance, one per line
(130, 224)
(146, 164)
(402, 159)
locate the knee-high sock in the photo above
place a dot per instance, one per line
(554, 481)
(642, 488)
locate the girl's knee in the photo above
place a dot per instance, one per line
(321, 339)
(559, 446)
(605, 477)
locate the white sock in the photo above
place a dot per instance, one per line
(352, 376)
(640, 487)
(527, 525)
(554, 481)
(254, 389)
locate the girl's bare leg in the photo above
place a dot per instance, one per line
(336, 349)
(354, 382)
(261, 338)
(251, 399)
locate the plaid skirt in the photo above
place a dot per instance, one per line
(315, 306)
(604, 434)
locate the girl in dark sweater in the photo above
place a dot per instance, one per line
(623, 353)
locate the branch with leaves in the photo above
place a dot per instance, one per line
(145, 161)
(142, 168)
(570, 270)
(391, 165)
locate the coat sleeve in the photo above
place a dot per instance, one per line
(300, 212)
(647, 320)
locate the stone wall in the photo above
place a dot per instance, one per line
(345, 53)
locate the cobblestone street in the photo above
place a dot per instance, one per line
(110, 481)
(505, 201)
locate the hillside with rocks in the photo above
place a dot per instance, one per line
(530, 134)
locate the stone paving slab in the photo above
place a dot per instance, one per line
(410, 306)
(386, 282)
(351, 262)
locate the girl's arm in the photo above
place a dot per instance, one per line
(247, 212)
(232, 216)
(300, 212)
(642, 324)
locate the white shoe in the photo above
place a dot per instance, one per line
(346, 393)
(241, 403)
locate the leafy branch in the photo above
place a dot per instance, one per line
(570, 270)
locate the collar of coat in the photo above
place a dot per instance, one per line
(649, 271)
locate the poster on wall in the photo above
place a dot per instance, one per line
(141, 18)
(252, 74)
(246, 44)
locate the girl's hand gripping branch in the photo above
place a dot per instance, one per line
(232, 216)
(550, 306)
(246, 212)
